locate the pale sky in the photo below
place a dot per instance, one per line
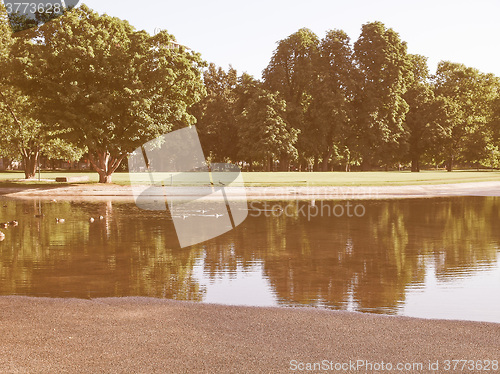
(244, 33)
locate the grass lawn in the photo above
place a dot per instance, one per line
(376, 178)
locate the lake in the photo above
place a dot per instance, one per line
(431, 258)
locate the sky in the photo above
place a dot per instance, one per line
(244, 33)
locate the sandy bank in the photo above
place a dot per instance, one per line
(84, 191)
(141, 335)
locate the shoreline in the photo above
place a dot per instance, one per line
(123, 192)
(132, 334)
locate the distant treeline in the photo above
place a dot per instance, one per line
(333, 105)
(90, 86)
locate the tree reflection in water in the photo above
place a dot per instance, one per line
(364, 263)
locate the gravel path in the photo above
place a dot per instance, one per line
(84, 191)
(142, 335)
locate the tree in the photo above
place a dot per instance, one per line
(215, 114)
(58, 149)
(469, 96)
(426, 113)
(495, 126)
(293, 74)
(24, 137)
(108, 87)
(5, 47)
(22, 134)
(263, 132)
(382, 75)
(330, 112)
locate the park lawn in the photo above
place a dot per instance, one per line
(368, 178)
(263, 179)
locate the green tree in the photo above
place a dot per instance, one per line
(23, 135)
(330, 113)
(382, 76)
(469, 96)
(425, 116)
(5, 47)
(495, 126)
(292, 73)
(5, 35)
(264, 135)
(215, 114)
(109, 87)
(25, 138)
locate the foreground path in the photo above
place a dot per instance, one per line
(142, 335)
(99, 191)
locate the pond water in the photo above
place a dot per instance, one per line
(431, 258)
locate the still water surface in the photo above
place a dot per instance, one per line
(432, 258)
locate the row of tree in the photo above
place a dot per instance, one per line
(333, 104)
(376, 258)
(86, 84)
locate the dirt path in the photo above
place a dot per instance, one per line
(142, 335)
(84, 191)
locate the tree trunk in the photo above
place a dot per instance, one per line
(5, 163)
(449, 165)
(29, 167)
(285, 164)
(104, 178)
(365, 165)
(324, 165)
(30, 160)
(267, 164)
(415, 164)
(105, 164)
(326, 159)
(316, 163)
(348, 163)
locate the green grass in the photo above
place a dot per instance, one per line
(376, 178)
(369, 178)
(17, 177)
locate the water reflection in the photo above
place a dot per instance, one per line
(381, 262)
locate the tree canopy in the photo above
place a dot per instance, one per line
(90, 83)
(107, 86)
(23, 134)
(469, 95)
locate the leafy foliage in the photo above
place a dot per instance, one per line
(263, 131)
(469, 95)
(215, 113)
(109, 87)
(92, 83)
(382, 77)
(292, 72)
(23, 135)
(426, 115)
(331, 112)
